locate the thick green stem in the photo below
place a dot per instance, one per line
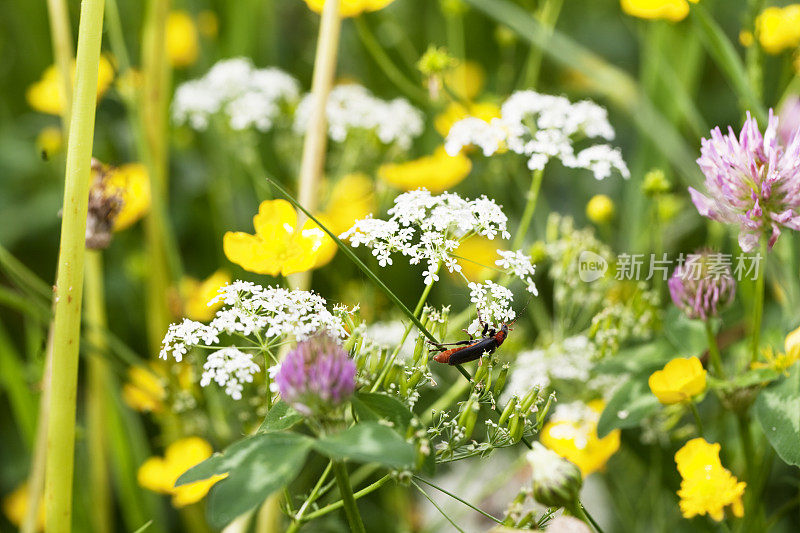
(312, 162)
(348, 501)
(69, 282)
(97, 404)
(530, 208)
(758, 302)
(713, 350)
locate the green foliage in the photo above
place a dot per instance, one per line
(368, 442)
(631, 404)
(280, 417)
(778, 412)
(371, 406)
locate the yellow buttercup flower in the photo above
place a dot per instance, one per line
(482, 253)
(707, 487)
(600, 209)
(792, 343)
(159, 474)
(46, 95)
(196, 295)
(781, 362)
(673, 10)
(466, 80)
(144, 391)
(15, 507)
(436, 172)
(778, 28)
(49, 141)
(277, 247)
(572, 434)
(183, 46)
(679, 381)
(485, 111)
(350, 8)
(131, 183)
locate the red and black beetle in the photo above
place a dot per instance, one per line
(469, 350)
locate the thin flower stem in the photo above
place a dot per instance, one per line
(547, 17)
(697, 420)
(441, 511)
(348, 500)
(588, 518)
(713, 350)
(748, 451)
(62, 52)
(337, 505)
(385, 63)
(312, 161)
(530, 208)
(69, 281)
(417, 311)
(311, 497)
(97, 406)
(758, 303)
(440, 489)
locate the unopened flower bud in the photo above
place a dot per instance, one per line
(556, 482)
(501, 380)
(469, 415)
(483, 368)
(507, 411)
(600, 209)
(655, 183)
(702, 286)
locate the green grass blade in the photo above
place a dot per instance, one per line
(724, 54)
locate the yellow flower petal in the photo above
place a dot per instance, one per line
(436, 172)
(485, 111)
(276, 219)
(679, 380)
(197, 294)
(131, 183)
(778, 29)
(352, 198)
(481, 254)
(154, 475)
(144, 390)
(466, 80)
(182, 46)
(707, 487)
(46, 95)
(49, 141)
(673, 10)
(577, 440)
(252, 254)
(350, 8)
(792, 343)
(15, 507)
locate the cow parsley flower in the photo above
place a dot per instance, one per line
(424, 227)
(250, 310)
(493, 303)
(752, 181)
(520, 265)
(542, 127)
(229, 368)
(248, 97)
(352, 107)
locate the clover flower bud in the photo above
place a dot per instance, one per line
(702, 286)
(316, 376)
(556, 482)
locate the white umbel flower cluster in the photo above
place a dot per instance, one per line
(352, 107)
(247, 96)
(252, 310)
(229, 368)
(493, 303)
(424, 227)
(569, 360)
(542, 127)
(519, 265)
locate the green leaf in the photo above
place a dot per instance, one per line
(686, 335)
(631, 404)
(282, 416)
(373, 406)
(368, 442)
(256, 466)
(641, 359)
(778, 412)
